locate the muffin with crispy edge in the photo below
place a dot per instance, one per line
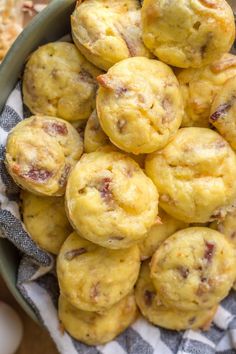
(40, 153)
(108, 31)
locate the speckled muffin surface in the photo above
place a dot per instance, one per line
(108, 31)
(188, 33)
(155, 312)
(109, 199)
(93, 328)
(139, 105)
(93, 278)
(194, 269)
(40, 153)
(58, 81)
(195, 175)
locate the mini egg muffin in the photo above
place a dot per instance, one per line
(139, 105)
(94, 328)
(194, 269)
(45, 220)
(40, 153)
(227, 226)
(109, 199)
(188, 33)
(94, 136)
(223, 112)
(93, 278)
(158, 233)
(58, 81)
(108, 31)
(200, 86)
(154, 311)
(195, 175)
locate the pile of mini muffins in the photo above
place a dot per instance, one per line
(145, 156)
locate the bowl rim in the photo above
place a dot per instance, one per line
(9, 65)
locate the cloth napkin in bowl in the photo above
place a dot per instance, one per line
(38, 284)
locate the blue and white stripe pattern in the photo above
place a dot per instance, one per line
(38, 285)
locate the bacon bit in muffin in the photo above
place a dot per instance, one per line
(64, 176)
(222, 109)
(167, 107)
(148, 297)
(197, 25)
(70, 255)
(55, 128)
(38, 175)
(203, 279)
(184, 272)
(121, 123)
(167, 104)
(120, 90)
(86, 76)
(129, 43)
(107, 82)
(209, 251)
(104, 189)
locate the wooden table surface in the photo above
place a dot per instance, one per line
(36, 340)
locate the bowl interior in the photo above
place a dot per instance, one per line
(50, 25)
